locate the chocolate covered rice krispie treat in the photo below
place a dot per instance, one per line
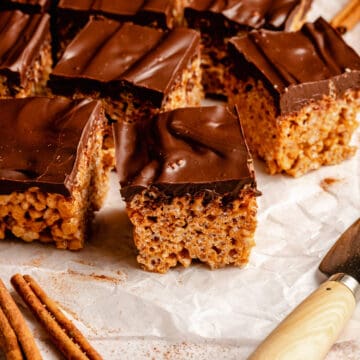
(219, 20)
(137, 71)
(52, 175)
(188, 182)
(25, 54)
(72, 15)
(299, 96)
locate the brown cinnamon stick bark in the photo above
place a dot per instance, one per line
(18, 324)
(62, 331)
(63, 321)
(347, 17)
(8, 340)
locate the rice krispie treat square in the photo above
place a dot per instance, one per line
(52, 175)
(189, 186)
(219, 20)
(25, 54)
(299, 96)
(72, 15)
(137, 71)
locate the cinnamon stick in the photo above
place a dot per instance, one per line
(72, 331)
(347, 17)
(18, 324)
(62, 331)
(9, 342)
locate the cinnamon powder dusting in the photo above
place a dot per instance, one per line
(99, 277)
(36, 262)
(328, 182)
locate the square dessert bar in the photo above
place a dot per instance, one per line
(137, 71)
(72, 15)
(25, 53)
(299, 96)
(189, 185)
(52, 175)
(219, 20)
(28, 6)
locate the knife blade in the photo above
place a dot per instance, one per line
(310, 330)
(344, 256)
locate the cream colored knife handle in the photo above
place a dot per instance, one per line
(312, 328)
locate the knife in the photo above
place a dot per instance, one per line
(313, 327)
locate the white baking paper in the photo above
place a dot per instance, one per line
(196, 313)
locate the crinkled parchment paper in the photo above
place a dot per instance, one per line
(197, 313)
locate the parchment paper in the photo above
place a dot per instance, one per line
(196, 313)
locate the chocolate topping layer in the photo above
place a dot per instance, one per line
(140, 11)
(41, 141)
(299, 66)
(159, 11)
(184, 151)
(158, 69)
(110, 53)
(105, 49)
(30, 6)
(21, 37)
(271, 14)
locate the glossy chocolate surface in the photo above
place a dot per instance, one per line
(30, 6)
(112, 54)
(158, 69)
(140, 11)
(21, 37)
(184, 151)
(271, 14)
(300, 66)
(41, 140)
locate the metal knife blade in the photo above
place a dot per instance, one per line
(311, 329)
(344, 256)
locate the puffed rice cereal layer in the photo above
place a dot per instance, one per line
(296, 143)
(55, 218)
(216, 231)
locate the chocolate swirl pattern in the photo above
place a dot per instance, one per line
(302, 65)
(271, 14)
(105, 50)
(108, 53)
(28, 6)
(140, 11)
(185, 151)
(41, 141)
(125, 8)
(21, 38)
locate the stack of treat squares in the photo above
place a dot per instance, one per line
(87, 87)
